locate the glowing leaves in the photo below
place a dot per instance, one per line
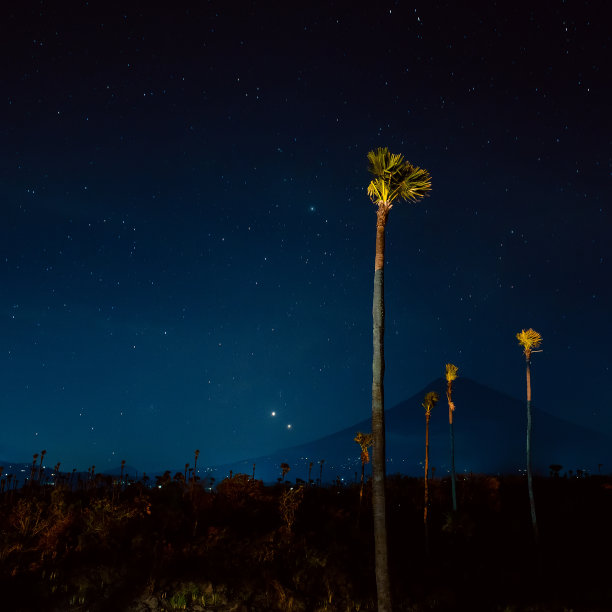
(395, 178)
(430, 400)
(450, 372)
(529, 339)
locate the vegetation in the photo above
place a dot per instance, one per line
(450, 373)
(394, 179)
(250, 547)
(530, 340)
(364, 441)
(431, 399)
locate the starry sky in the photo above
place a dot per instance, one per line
(187, 245)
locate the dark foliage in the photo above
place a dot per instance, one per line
(250, 547)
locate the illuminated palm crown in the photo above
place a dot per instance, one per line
(529, 339)
(430, 400)
(451, 372)
(395, 178)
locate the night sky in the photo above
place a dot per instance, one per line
(187, 245)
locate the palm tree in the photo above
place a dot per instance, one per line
(284, 469)
(394, 179)
(530, 339)
(451, 374)
(41, 468)
(364, 441)
(321, 462)
(33, 470)
(431, 399)
(195, 465)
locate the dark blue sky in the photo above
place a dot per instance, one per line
(187, 244)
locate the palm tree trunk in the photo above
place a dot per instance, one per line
(529, 474)
(378, 419)
(452, 444)
(426, 504)
(453, 474)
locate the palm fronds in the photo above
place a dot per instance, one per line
(450, 372)
(529, 339)
(430, 400)
(395, 178)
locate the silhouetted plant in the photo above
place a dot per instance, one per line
(40, 468)
(321, 462)
(394, 179)
(33, 470)
(195, 465)
(555, 468)
(284, 470)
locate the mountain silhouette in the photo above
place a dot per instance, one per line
(490, 438)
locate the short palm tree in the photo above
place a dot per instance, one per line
(450, 375)
(284, 469)
(364, 441)
(195, 465)
(33, 470)
(530, 340)
(41, 467)
(431, 399)
(394, 180)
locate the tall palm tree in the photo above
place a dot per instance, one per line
(530, 339)
(364, 441)
(394, 179)
(284, 469)
(431, 399)
(451, 374)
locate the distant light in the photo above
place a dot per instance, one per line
(289, 426)
(273, 413)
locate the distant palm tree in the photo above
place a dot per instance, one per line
(451, 374)
(253, 477)
(321, 462)
(364, 441)
(530, 339)
(394, 179)
(33, 470)
(40, 468)
(122, 468)
(195, 465)
(431, 399)
(185, 472)
(284, 469)
(309, 471)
